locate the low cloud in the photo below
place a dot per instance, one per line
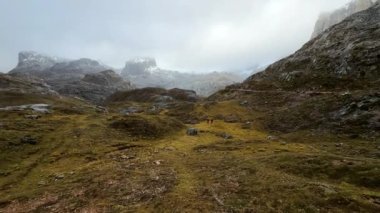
(186, 35)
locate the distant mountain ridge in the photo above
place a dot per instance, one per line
(141, 72)
(144, 72)
(83, 78)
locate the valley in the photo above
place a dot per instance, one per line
(81, 163)
(302, 135)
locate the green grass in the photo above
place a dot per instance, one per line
(118, 170)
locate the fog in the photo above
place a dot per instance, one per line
(185, 35)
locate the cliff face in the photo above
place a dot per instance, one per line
(33, 62)
(326, 20)
(346, 56)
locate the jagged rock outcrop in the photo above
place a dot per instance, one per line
(33, 62)
(328, 19)
(13, 84)
(83, 78)
(35, 65)
(143, 72)
(346, 56)
(95, 87)
(76, 68)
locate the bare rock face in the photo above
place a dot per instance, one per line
(33, 62)
(83, 78)
(36, 65)
(95, 87)
(326, 20)
(76, 68)
(14, 84)
(346, 56)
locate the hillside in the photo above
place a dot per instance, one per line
(330, 84)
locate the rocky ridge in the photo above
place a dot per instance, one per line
(346, 56)
(328, 19)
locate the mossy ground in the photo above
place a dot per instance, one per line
(82, 164)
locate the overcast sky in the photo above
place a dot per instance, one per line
(186, 35)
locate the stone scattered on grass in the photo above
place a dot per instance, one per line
(32, 117)
(272, 138)
(41, 108)
(28, 140)
(192, 131)
(246, 125)
(224, 135)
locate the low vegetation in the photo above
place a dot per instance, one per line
(87, 160)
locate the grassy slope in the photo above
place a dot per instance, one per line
(104, 169)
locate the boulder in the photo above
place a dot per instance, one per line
(224, 135)
(192, 131)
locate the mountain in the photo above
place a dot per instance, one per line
(346, 56)
(326, 20)
(33, 62)
(144, 72)
(49, 68)
(83, 78)
(331, 84)
(95, 87)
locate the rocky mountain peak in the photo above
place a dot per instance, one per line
(138, 66)
(328, 19)
(31, 61)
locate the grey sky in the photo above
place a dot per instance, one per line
(187, 35)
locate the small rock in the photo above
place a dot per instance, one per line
(28, 140)
(33, 117)
(192, 131)
(338, 144)
(283, 143)
(131, 110)
(272, 138)
(100, 109)
(224, 135)
(246, 125)
(59, 176)
(244, 103)
(157, 162)
(169, 148)
(42, 183)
